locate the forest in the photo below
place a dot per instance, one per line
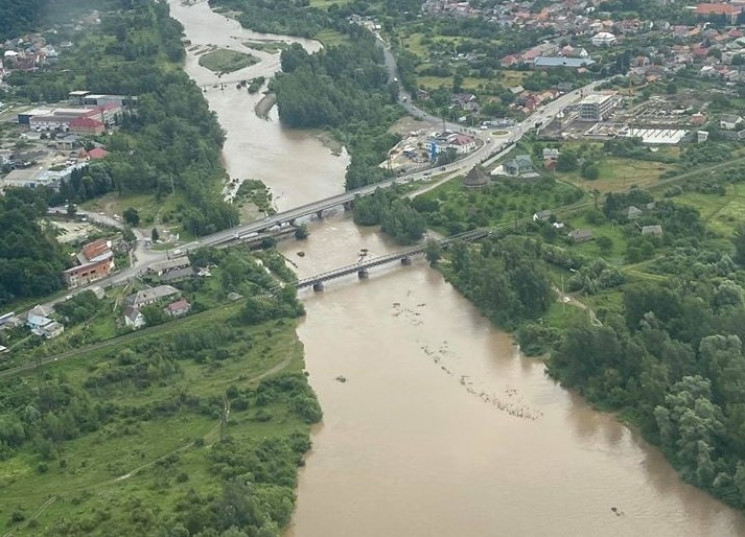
(168, 139)
(343, 88)
(31, 260)
(18, 16)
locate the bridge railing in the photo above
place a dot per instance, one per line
(377, 261)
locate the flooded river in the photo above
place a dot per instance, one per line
(295, 164)
(442, 428)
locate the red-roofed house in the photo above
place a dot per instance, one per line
(509, 61)
(729, 11)
(96, 153)
(178, 308)
(96, 248)
(86, 125)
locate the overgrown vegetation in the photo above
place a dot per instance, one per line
(195, 427)
(226, 61)
(31, 260)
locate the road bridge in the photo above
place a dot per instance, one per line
(404, 257)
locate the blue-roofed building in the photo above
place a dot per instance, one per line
(553, 62)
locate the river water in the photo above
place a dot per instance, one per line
(442, 427)
(297, 167)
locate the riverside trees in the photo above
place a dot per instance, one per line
(343, 88)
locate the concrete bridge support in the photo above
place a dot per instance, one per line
(318, 287)
(319, 214)
(348, 206)
(362, 274)
(406, 261)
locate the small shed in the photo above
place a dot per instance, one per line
(581, 235)
(652, 230)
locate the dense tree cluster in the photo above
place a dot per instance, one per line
(397, 217)
(343, 88)
(19, 16)
(674, 362)
(503, 277)
(30, 259)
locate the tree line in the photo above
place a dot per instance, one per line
(345, 89)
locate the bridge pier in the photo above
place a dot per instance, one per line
(348, 206)
(406, 261)
(319, 214)
(362, 274)
(318, 287)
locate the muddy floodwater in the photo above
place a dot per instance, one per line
(441, 428)
(294, 164)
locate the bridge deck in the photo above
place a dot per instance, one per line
(382, 260)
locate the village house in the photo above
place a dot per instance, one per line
(581, 235)
(550, 157)
(542, 216)
(133, 317)
(730, 12)
(169, 265)
(652, 230)
(148, 296)
(178, 308)
(96, 261)
(632, 213)
(520, 166)
(729, 121)
(38, 320)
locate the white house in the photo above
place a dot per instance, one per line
(729, 121)
(133, 317)
(603, 39)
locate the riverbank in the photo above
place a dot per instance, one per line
(265, 105)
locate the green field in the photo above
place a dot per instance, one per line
(331, 37)
(617, 174)
(721, 213)
(226, 61)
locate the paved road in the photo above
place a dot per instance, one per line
(146, 257)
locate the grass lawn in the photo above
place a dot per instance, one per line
(226, 61)
(148, 207)
(331, 37)
(619, 174)
(434, 82)
(721, 213)
(591, 248)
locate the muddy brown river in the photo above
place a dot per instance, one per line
(442, 427)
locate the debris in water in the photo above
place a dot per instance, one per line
(341, 378)
(301, 254)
